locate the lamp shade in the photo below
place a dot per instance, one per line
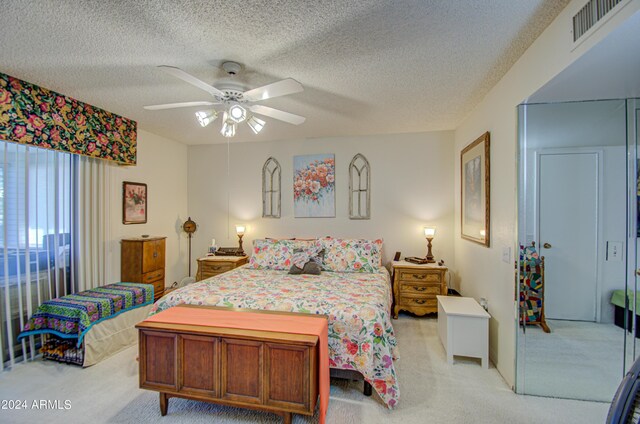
(240, 229)
(256, 124)
(429, 232)
(205, 117)
(237, 113)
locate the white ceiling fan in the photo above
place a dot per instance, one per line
(235, 104)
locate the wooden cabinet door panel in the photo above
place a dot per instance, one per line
(153, 255)
(158, 360)
(200, 365)
(288, 376)
(242, 371)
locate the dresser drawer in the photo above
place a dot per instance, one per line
(419, 275)
(423, 301)
(417, 289)
(150, 277)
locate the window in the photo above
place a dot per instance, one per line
(36, 198)
(359, 188)
(271, 189)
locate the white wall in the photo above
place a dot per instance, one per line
(162, 165)
(411, 181)
(481, 270)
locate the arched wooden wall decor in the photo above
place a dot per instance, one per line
(359, 188)
(271, 189)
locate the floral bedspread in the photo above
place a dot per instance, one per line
(358, 305)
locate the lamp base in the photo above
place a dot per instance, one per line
(240, 250)
(429, 258)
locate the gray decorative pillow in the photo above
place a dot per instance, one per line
(310, 267)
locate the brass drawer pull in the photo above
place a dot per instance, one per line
(155, 254)
(420, 289)
(419, 276)
(420, 301)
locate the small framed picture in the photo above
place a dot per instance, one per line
(134, 203)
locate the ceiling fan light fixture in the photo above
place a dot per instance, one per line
(237, 113)
(256, 124)
(205, 117)
(228, 127)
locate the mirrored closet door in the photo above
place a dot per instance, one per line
(578, 232)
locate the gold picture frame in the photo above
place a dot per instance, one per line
(475, 190)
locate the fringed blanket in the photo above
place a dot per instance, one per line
(73, 315)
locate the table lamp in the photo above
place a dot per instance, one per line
(429, 233)
(240, 232)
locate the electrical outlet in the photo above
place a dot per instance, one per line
(506, 254)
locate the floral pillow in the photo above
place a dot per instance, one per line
(351, 255)
(272, 254)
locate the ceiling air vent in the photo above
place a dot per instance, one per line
(591, 13)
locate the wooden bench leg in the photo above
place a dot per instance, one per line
(286, 417)
(368, 390)
(164, 404)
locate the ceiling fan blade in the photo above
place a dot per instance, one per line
(179, 73)
(278, 114)
(276, 89)
(179, 105)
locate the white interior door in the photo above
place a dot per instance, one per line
(568, 233)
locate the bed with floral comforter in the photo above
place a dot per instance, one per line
(361, 337)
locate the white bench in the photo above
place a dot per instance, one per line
(463, 327)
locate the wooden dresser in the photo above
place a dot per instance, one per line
(415, 287)
(142, 261)
(214, 265)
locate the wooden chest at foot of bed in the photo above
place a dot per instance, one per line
(261, 370)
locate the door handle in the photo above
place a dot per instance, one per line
(546, 246)
(638, 271)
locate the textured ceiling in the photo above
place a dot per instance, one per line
(368, 66)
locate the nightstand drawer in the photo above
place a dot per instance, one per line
(417, 289)
(419, 275)
(215, 268)
(425, 302)
(150, 277)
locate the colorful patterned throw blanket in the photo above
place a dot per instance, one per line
(73, 315)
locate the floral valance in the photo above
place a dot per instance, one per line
(34, 115)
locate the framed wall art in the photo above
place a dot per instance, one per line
(314, 194)
(475, 189)
(134, 203)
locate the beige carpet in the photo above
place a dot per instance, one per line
(431, 392)
(577, 360)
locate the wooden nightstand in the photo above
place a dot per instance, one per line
(214, 265)
(415, 287)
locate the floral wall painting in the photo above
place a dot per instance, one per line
(314, 194)
(475, 188)
(134, 203)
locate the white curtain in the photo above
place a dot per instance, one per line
(36, 223)
(54, 233)
(92, 222)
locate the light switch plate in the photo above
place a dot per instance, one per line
(614, 251)
(506, 254)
